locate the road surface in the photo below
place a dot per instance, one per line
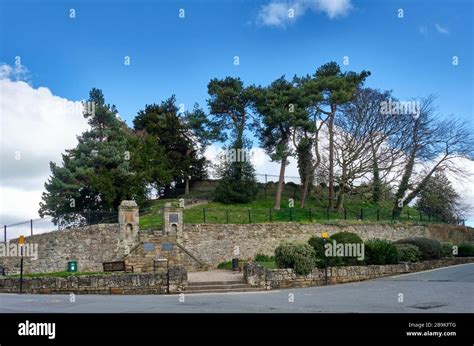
(441, 290)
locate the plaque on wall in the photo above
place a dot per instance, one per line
(167, 246)
(148, 247)
(174, 218)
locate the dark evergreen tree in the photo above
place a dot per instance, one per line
(97, 174)
(439, 199)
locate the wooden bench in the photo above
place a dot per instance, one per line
(118, 266)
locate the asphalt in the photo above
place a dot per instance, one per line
(444, 290)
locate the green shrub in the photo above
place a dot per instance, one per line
(447, 250)
(378, 251)
(225, 265)
(344, 238)
(298, 256)
(429, 248)
(466, 250)
(408, 253)
(317, 243)
(264, 258)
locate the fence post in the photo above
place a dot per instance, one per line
(227, 215)
(378, 214)
(270, 214)
(429, 217)
(249, 217)
(5, 234)
(31, 226)
(310, 217)
(421, 217)
(265, 185)
(345, 214)
(361, 213)
(204, 214)
(291, 216)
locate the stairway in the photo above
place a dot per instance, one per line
(218, 282)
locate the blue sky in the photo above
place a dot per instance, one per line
(172, 55)
(62, 58)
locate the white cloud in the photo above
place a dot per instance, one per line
(36, 127)
(441, 29)
(279, 13)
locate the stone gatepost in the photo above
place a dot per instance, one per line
(173, 221)
(129, 225)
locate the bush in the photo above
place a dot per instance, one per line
(298, 256)
(429, 248)
(378, 251)
(317, 243)
(408, 253)
(264, 258)
(466, 250)
(345, 238)
(225, 265)
(447, 250)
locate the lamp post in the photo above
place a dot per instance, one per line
(325, 235)
(21, 242)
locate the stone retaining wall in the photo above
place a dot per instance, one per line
(215, 243)
(90, 246)
(257, 275)
(149, 283)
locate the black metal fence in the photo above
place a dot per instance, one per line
(65, 221)
(261, 215)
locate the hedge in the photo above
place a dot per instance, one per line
(299, 256)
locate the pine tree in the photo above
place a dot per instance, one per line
(96, 175)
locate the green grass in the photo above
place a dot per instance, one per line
(59, 274)
(261, 211)
(268, 265)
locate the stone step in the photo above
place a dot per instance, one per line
(219, 283)
(224, 290)
(215, 287)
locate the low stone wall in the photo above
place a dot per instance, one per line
(257, 275)
(215, 243)
(149, 283)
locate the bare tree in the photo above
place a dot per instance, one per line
(432, 146)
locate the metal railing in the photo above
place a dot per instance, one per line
(65, 221)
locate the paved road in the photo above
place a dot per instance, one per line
(440, 290)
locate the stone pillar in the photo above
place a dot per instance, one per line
(173, 221)
(129, 225)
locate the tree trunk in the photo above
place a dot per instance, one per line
(307, 177)
(331, 161)
(340, 197)
(281, 181)
(403, 187)
(186, 185)
(377, 183)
